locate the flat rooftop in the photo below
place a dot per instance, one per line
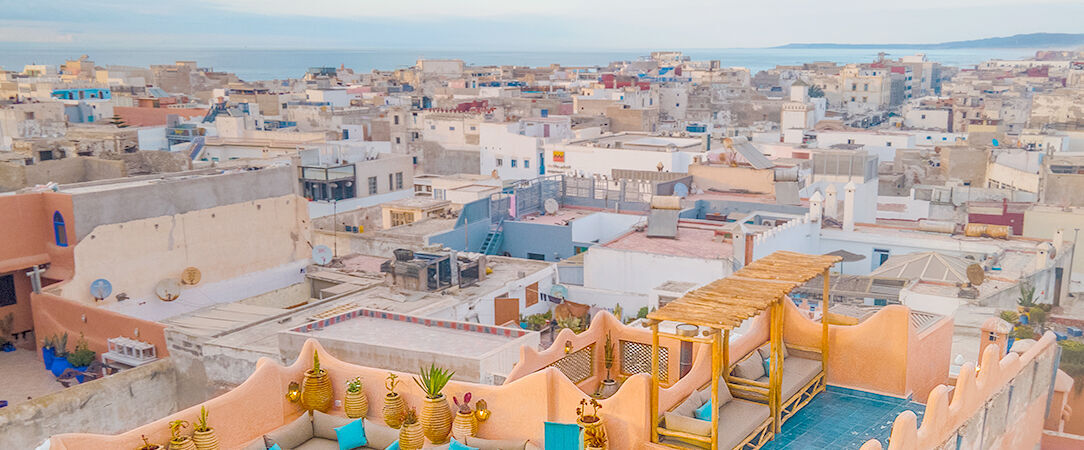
(147, 180)
(642, 141)
(417, 203)
(563, 216)
(433, 336)
(842, 418)
(693, 241)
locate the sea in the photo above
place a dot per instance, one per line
(271, 64)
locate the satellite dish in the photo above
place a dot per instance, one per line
(551, 206)
(100, 288)
(681, 190)
(191, 276)
(559, 291)
(168, 289)
(321, 254)
(975, 274)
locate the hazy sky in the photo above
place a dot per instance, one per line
(523, 24)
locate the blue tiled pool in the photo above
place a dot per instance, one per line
(841, 418)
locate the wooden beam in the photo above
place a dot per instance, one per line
(726, 355)
(825, 302)
(654, 382)
(716, 347)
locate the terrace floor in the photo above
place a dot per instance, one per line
(842, 418)
(23, 376)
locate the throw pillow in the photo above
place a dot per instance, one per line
(324, 425)
(351, 435)
(767, 366)
(456, 445)
(275, 447)
(563, 436)
(684, 424)
(703, 412)
(496, 444)
(393, 446)
(292, 434)
(750, 368)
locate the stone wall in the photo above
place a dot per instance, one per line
(110, 405)
(62, 171)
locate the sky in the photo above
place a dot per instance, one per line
(521, 24)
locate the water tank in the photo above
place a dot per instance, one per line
(937, 226)
(998, 231)
(402, 254)
(665, 202)
(786, 174)
(975, 229)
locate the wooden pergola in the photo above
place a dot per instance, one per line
(724, 304)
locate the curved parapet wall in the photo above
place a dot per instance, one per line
(999, 405)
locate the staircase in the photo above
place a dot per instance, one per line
(213, 112)
(493, 239)
(196, 149)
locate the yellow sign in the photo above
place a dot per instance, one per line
(558, 156)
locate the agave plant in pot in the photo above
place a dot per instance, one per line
(355, 404)
(410, 435)
(80, 358)
(177, 441)
(60, 355)
(316, 390)
(394, 406)
(436, 417)
(147, 445)
(203, 435)
(609, 385)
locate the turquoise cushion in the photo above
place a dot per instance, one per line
(703, 412)
(767, 366)
(563, 436)
(351, 435)
(456, 445)
(275, 447)
(393, 446)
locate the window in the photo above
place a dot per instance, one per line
(397, 140)
(677, 104)
(500, 162)
(372, 185)
(396, 117)
(391, 182)
(865, 87)
(432, 127)
(888, 144)
(854, 86)
(60, 231)
(536, 256)
(29, 115)
(852, 99)
(399, 180)
(923, 116)
(7, 290)
(865, 99)
(513, 163)
(451, 128)
(526, 164)
(472, 128)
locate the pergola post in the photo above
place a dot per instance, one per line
(716, 345)
(825, 302)
(774, 381)
(654, 418)
(726, 356)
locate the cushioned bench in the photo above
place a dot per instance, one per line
(318, 433)
(798, 373)
(739, 421)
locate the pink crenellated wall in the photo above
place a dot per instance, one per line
(974, 389)
(906, 362)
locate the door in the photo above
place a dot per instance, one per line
(505, 310)
(879, 257)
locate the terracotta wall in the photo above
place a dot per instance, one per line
(27, 240)
(54, 315)
(947, 410)
(929, 355)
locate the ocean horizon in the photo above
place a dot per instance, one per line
(252, 64)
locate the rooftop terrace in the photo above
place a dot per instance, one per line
(693, 240)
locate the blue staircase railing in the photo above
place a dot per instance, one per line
(494, 239)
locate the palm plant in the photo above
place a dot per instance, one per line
(1027, 295)
(201, 423)
(608, 355)
(433, 380)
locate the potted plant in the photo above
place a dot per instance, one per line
(176, 440)
(60, 356)
(48, 350)
(147, 445)
(355, 404)
(394, 406)
(410, 435)
(80, 358)
(465, 423)
(593, 428)
(436, 417)
(7, 325)
(316, 390)
(203, 435)
(609, 385)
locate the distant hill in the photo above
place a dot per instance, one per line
(1031, 40)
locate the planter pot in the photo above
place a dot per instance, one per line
(59, 365)
(7, 347)
(316, 391)
(594, 428)
(81, 369)
(47, 356)
(436, 419)
(609, 388)
(394, 408)
(356, 405)
(184, 443)
(464, 425)
(411, 437)
(205, 440)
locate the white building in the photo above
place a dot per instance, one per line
(635, 151)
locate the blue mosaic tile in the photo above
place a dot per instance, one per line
(843, 418)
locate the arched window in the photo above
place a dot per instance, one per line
(60, 232)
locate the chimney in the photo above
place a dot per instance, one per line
(1059, 239)
(1042, 255)
(816, 206)
(831, 203)
(848, 207)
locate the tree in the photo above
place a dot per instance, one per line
(117, 121)
(815, 92)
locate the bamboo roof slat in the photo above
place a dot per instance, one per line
(725, 303)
